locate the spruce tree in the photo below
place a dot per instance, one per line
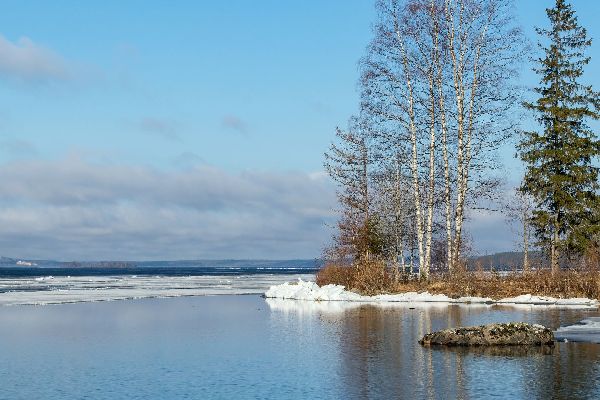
(561, 175)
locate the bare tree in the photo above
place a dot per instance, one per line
(520, 211)
(482, 47)
(436, 86)
(394, 207)
(348, 162)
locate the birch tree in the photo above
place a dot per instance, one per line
(482, 50)
(436, 83)
(393, 205)
(520, 212)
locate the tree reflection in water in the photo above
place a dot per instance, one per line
(379, 357)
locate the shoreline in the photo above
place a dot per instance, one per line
(310, 291)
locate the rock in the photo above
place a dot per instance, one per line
(511, 334)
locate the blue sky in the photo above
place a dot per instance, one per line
(105, 105)
(236, 84)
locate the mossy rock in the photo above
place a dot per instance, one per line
(510, 334)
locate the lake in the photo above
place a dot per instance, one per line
(247, 347)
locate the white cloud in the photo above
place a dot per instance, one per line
(490, 232)
(17, 147)
(27, 61)
(71, 209)
(234, 123)
(164, 128)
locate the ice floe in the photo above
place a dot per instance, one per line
(57, 290)
(303, 290)
(587, 330)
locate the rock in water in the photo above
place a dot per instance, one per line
(511, 334)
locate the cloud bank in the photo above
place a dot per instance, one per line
(72, 209)
(76, 210)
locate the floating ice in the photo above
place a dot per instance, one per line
(56, 290)
(43, 278)
(302, 290)
(587, 330)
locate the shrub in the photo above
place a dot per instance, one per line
(371, 277)
(367, 277)
(336, 274)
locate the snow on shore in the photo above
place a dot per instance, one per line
(302, 290)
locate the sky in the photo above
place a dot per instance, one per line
(186, 130)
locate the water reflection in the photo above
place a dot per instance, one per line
(497, 351)
(379, 356)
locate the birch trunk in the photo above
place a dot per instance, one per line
(464, 133)
(414, 159)
(445, 155)
(457, 78)
(432, 146)
(399, 218)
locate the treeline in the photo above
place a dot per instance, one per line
(505, 261)
(439, 96)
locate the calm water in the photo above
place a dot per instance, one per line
(230, 347)
(164, 268)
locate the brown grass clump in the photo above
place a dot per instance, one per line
(368, 277)
(563, 284)
(372, 277)
(336, 274)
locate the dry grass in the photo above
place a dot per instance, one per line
(336, 274)
(369, 277)
(372, 277)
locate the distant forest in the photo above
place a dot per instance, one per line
(505, 261)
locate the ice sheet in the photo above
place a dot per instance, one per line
(56, 290)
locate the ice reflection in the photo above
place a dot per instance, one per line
(333, 307)
(301, 307)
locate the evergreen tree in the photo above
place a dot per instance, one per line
(560, 173)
